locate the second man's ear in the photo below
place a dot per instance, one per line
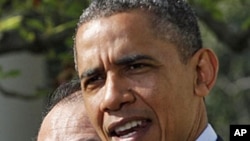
(206, 71)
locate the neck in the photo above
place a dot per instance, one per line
(200, 123)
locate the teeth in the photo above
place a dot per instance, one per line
(128, 126)
(128, 135)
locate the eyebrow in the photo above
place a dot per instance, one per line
(90, 72)
(129, 59)
(126, 60)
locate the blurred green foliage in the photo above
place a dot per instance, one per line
(42, 27)
(10, 73)
(225, 28)
(48, 26)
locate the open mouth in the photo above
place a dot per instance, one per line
(130, 128)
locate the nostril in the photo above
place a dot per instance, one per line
(110, 105)
(112, 108)
(115, 101)
(129, 96)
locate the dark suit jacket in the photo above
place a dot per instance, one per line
(219, 138)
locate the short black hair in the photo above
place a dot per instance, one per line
(64, 90)
(172, 20)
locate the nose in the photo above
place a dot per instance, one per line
(117, 93)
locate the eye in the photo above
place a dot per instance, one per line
(139, 68)
(94, 81)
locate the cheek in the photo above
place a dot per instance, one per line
(95, 115)
(159, 95)
(92, 108)
(172, 99)
(155, 92)
(92, 104)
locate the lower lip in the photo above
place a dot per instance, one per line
(134, 136)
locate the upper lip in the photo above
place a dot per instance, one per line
(114, 125)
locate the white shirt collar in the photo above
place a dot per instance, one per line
(208, 134)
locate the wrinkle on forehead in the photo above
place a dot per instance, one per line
(95, 36)
(101, 26)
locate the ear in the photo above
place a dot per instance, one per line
(206, 64)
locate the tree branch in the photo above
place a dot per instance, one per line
(12, 94)
(12, 42)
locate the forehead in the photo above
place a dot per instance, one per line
(120, 24)
(116, 35)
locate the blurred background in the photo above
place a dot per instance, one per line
(36, 39)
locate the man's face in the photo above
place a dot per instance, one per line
(135, 86)
(67, 122)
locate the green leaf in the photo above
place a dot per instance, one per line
(246, 24)
(9, 74)
(27, 35)
(36, 24)
(10, 23)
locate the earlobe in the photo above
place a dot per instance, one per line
(206, 71)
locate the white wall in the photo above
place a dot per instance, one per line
(20, 119)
